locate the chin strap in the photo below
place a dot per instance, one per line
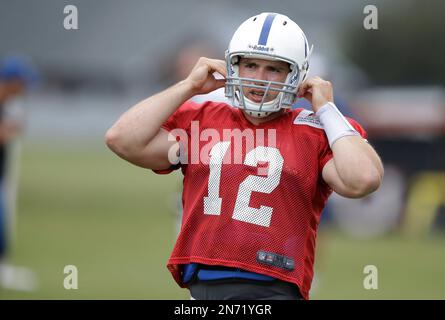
(252, 108)
(258, 115)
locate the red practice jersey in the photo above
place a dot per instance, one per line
(252, 195)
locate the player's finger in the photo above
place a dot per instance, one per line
(309, 83)
(304, 87)
(308, 96)
(220, 83)
(217, 65)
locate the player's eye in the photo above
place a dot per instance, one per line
(274, 70)
(250, 65)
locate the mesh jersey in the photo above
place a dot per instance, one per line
(243, 198)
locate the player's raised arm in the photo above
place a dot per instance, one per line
(137, 135)
(355, 170)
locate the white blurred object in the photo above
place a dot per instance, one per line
(216, 96)
(376, 214)
(319, 66)
(402, 111)
(315, 283)
(17, 278)
(14, 111)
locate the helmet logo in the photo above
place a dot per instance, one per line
(294, 78)
(232, 72)
(261, 48)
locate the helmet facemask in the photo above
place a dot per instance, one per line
(275, 46)
(287, 91)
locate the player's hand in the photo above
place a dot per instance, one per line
(201, 78)
(317, 91)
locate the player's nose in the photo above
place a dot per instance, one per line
(260, 74)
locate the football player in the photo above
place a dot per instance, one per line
(249, 226)
(17, 76)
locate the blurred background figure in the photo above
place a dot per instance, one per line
(17, 75)
(175, 67)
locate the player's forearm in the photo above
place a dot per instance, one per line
(357, 164)
(140, 124)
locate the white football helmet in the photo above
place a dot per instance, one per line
(268, 36)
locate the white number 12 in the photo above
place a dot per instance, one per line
(242, 211)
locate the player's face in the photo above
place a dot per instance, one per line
(260, 69)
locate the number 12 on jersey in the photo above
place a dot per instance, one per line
(242, 212)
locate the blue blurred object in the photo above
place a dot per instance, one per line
(18, 68)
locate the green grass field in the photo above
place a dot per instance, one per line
(115, 223)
